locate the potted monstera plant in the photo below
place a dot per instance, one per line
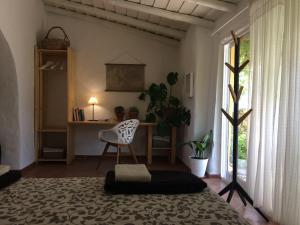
(201, 147)
(165, 108)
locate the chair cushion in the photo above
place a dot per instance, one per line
(162, 182)
(132, 173)
(9, 178)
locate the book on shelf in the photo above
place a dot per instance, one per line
(78, 114)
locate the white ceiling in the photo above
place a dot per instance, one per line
(168, 18)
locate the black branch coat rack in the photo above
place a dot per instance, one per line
(235, 121)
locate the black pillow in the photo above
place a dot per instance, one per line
(162, 182)
(9, 178)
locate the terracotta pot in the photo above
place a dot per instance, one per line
(120, 116)
(133, 115)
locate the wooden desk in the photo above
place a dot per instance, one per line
(149, 127)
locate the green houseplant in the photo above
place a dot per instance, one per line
(165, 108)
(201, 147)
(120, 112)
(133, 112)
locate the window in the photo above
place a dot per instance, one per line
(244, 105)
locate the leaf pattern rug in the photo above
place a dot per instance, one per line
(82, 201)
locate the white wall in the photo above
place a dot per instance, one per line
(195, 57)
(20, 22)
(9, 117)
(96, 43)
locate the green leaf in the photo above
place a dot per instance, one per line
(150, 117)
(174, 101)
(163, 91)
(172, 78)
(186, 116)
(163, 128)
(202, 146)
(142, 96)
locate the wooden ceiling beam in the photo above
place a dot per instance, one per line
(111, 16)
(215, 4)
(162, 13)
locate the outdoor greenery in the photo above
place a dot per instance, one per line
(242, 138)
(164, 107)
(243, 103)
(244, 81)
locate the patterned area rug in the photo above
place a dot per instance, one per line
(82, 201)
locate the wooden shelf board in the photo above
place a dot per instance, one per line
(54, 130)
(52, 51)
(54, 70)
(167, 148)
(105, 122)
(51, 160)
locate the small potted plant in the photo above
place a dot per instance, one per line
(120, 112)
(201, 147)
(133, 112)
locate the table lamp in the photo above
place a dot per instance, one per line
(93, 101)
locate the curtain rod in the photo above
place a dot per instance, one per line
(231, 19)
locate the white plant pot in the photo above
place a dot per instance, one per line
(198, 166)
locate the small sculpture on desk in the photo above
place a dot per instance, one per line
(120, 113)
(133, 113)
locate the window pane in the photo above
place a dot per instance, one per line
(244, 105)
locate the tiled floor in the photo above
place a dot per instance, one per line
(247, 212)
(86, 166)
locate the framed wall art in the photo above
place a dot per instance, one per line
(125, 77)
(189, 85)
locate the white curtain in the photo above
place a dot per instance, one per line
(218, 104)
(266, 34)
(288, 162)
(220, 123)
(274, 146)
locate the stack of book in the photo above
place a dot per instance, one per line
(78, 114)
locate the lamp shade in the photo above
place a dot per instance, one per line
(93, 101)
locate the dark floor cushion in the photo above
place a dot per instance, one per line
(9, 178)
(162, 182)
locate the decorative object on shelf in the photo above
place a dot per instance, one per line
(50, 65)
(54, 153)
(55, 43)
(125, 77)
(120, 113)
(236, 92)
(78, 114)
(189, 85)
(93, 101)
(165, 108)
(133, 113)
(201, 147)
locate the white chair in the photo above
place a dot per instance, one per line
(119, 136)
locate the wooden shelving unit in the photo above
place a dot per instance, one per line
(54, 100)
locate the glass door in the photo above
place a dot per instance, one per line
(244, 105)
